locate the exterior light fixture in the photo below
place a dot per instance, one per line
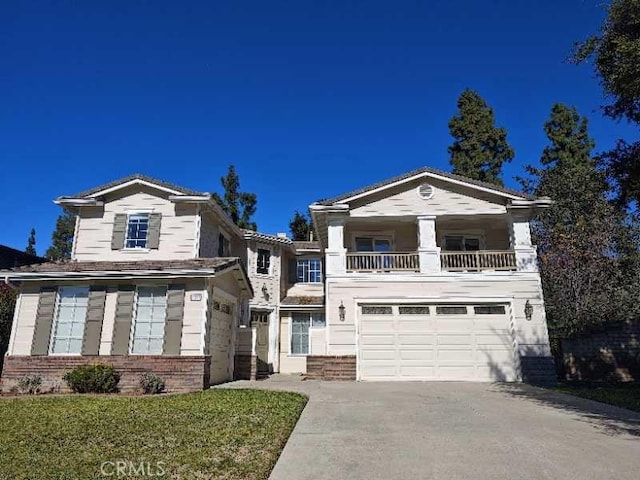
(528, 310)
(341, 311)
(265, 290)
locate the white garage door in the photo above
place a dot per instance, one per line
(436, 342)
(220, 341)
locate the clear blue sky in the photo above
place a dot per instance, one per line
(307, 98)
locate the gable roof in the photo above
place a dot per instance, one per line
(425, 171)
(132, 178)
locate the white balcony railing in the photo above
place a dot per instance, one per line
(477, 261)
(383, 262)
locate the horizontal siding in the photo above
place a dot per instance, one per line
(177, 230)
(193, 320)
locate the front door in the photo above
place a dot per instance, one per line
(260, 321)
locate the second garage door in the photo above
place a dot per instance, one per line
(472, 342)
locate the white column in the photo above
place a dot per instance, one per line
(336, 254)
(520, 239)
(428, 250)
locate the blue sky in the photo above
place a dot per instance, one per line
(308, 99)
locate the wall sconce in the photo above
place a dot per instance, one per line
(341, 311)
(528, 310)
(265, 291)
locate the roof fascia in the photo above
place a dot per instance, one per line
(135, 181)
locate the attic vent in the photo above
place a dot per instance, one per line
(425, 191)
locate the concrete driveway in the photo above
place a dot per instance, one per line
(453, 431)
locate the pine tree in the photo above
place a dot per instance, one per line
(62, 238)
(480, 148)
(300, 227)
(31, 243)
(240, 206)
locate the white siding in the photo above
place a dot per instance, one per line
(26, 320)
(95, 227)
(194, 319)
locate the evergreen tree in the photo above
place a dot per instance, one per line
(479, 148)
(31, 243)
(579, 237)
(240, 206)
(300, 227)
(62, 238)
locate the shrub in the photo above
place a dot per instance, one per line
(151, 384)
(98, 378)
(30, 384)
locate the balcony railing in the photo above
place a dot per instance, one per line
(479, 260)
(383, 262)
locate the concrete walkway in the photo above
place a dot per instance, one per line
(453, 431)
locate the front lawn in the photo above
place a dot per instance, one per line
(625, 395)
(230, 434)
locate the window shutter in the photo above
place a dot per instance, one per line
(124, 316)
(293, 271)
(93, 322)
(44, 321)
(119, 230)
(173, 323)
(153, 234)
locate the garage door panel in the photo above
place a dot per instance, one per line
(417, 339)
(502, 338)
(486, 322)
(377, 326)
(415, 325)
(373, 340)
(456, 372)
(418, 372)
(454, 324)
(457, 355)
(378, 370)
(426, 354)
(454, 339)
(378, 355)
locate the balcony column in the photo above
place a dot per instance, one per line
(336, 254)
(428, 250)
(520, 239)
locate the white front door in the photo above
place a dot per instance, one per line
(220, 340)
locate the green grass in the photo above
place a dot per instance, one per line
(625, 395)
(229, 434)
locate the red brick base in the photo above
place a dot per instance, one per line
(245, 367)
(331, 368)
(181, 374)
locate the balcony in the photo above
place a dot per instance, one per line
(475, 261)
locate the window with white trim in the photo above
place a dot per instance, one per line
(461, 243)
(263, 261)
(70, 316)
(372, 244)
(137, 230)
(148, 324)
(301, 323)
(309, 270)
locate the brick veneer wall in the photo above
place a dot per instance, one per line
(331, 368)
(610, 355)
(181, 374)
(245, 367)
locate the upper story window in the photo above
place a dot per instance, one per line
(309, 270)
(263, 261)
(137, 230)
(461, 243)
(373, 244)
(71, 313)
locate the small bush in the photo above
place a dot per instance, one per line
(151, 384)
(30, 384)
(98, 378)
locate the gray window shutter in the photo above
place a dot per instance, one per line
(124, 316)
(293, 271)
(153, 234)
(119, 230)
(44, 321)
(173, 324)
(93, 322)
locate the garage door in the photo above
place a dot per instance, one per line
(220, 341)
(436, 342)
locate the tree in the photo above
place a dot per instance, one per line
(579, 238)
(615, 53)
(62, 238)
(7, 306)
(31, 243)
(300, 226)
(479, 148)
(240, 206)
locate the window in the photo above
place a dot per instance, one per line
(489, 310)
(414, 310)
(137, 230)
(460, 310)
(300, 325)
(71, 312)
(309, 270)
(264, 259)
(461, 243)
(223, 246)
(373, 244)
(377, 310)
(151, 312)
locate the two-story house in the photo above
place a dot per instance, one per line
(426, 276)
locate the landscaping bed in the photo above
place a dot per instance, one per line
(230, 434)
(625, 395)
